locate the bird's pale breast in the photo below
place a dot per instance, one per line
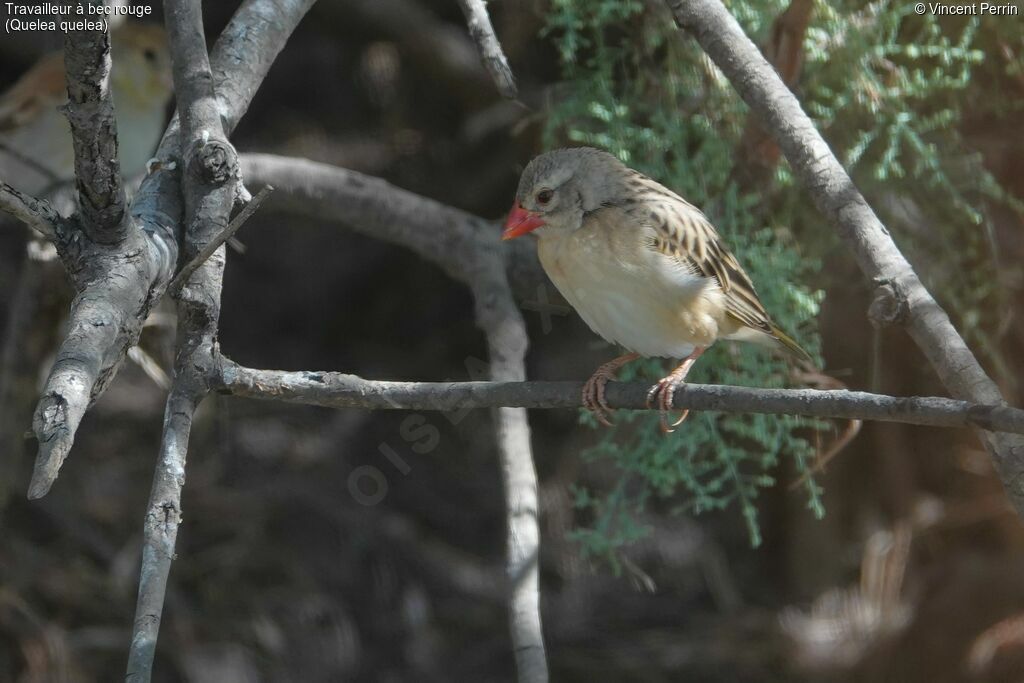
(629, 293)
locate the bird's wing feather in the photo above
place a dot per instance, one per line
(40, 87)
(682, 232)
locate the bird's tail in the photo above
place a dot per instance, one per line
(790, 345)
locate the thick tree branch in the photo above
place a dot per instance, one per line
(337, 390)
(210, 180)
(836, 196)
(111, 302)
(90, 111)
(118, 284)
(37, 304)
(482, 32)
(441, 234)
(35, 213)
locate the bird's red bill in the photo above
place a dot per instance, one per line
(519, 222)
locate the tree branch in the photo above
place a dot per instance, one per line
(90, 111)
(337, 390)
(469, 250)
(502, 323)
(118, 284)
(160, 528)
(219, 239)
(491, 54)
(436, 47)
(836, 196)
(111, 302)
(210, 181)
(37, 214)
(441, 234)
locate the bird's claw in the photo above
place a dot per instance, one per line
(662, 395)
(594, 400)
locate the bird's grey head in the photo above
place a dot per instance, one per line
(557, 188)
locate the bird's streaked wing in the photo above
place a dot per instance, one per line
(682, 232)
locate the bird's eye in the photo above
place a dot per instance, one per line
(544, 196)
(150, 55)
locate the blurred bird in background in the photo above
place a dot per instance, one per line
(643, 267)
(36, 153)
(37, 157)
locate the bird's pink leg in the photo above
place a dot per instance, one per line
(665, 389)
(593, 390)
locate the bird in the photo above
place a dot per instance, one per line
(35, 140)
(643, 267)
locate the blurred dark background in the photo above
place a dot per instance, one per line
(915, 574)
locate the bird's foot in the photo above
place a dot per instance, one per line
(594, 400)
(662, 394)
(593, 390)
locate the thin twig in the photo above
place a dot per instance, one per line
(48, 175)
(223, 236)
(491, 54)
(436, 48)
(337, 390)
(820, 380)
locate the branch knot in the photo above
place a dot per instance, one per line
(213, 161)
(890, 305)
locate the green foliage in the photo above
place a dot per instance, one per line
(634, 91)
(887, 88)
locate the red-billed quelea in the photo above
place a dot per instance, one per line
(36, 152)
(643, 267)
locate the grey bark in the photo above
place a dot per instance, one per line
(117, 284)
(210, 184)
(35, 213)
(502, 323)
(37, 304)
(491, 54)
(90, 112)
(337, 390)
(909, 303)
(209, 176)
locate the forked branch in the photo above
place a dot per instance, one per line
(209, 185)
(117, 284)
